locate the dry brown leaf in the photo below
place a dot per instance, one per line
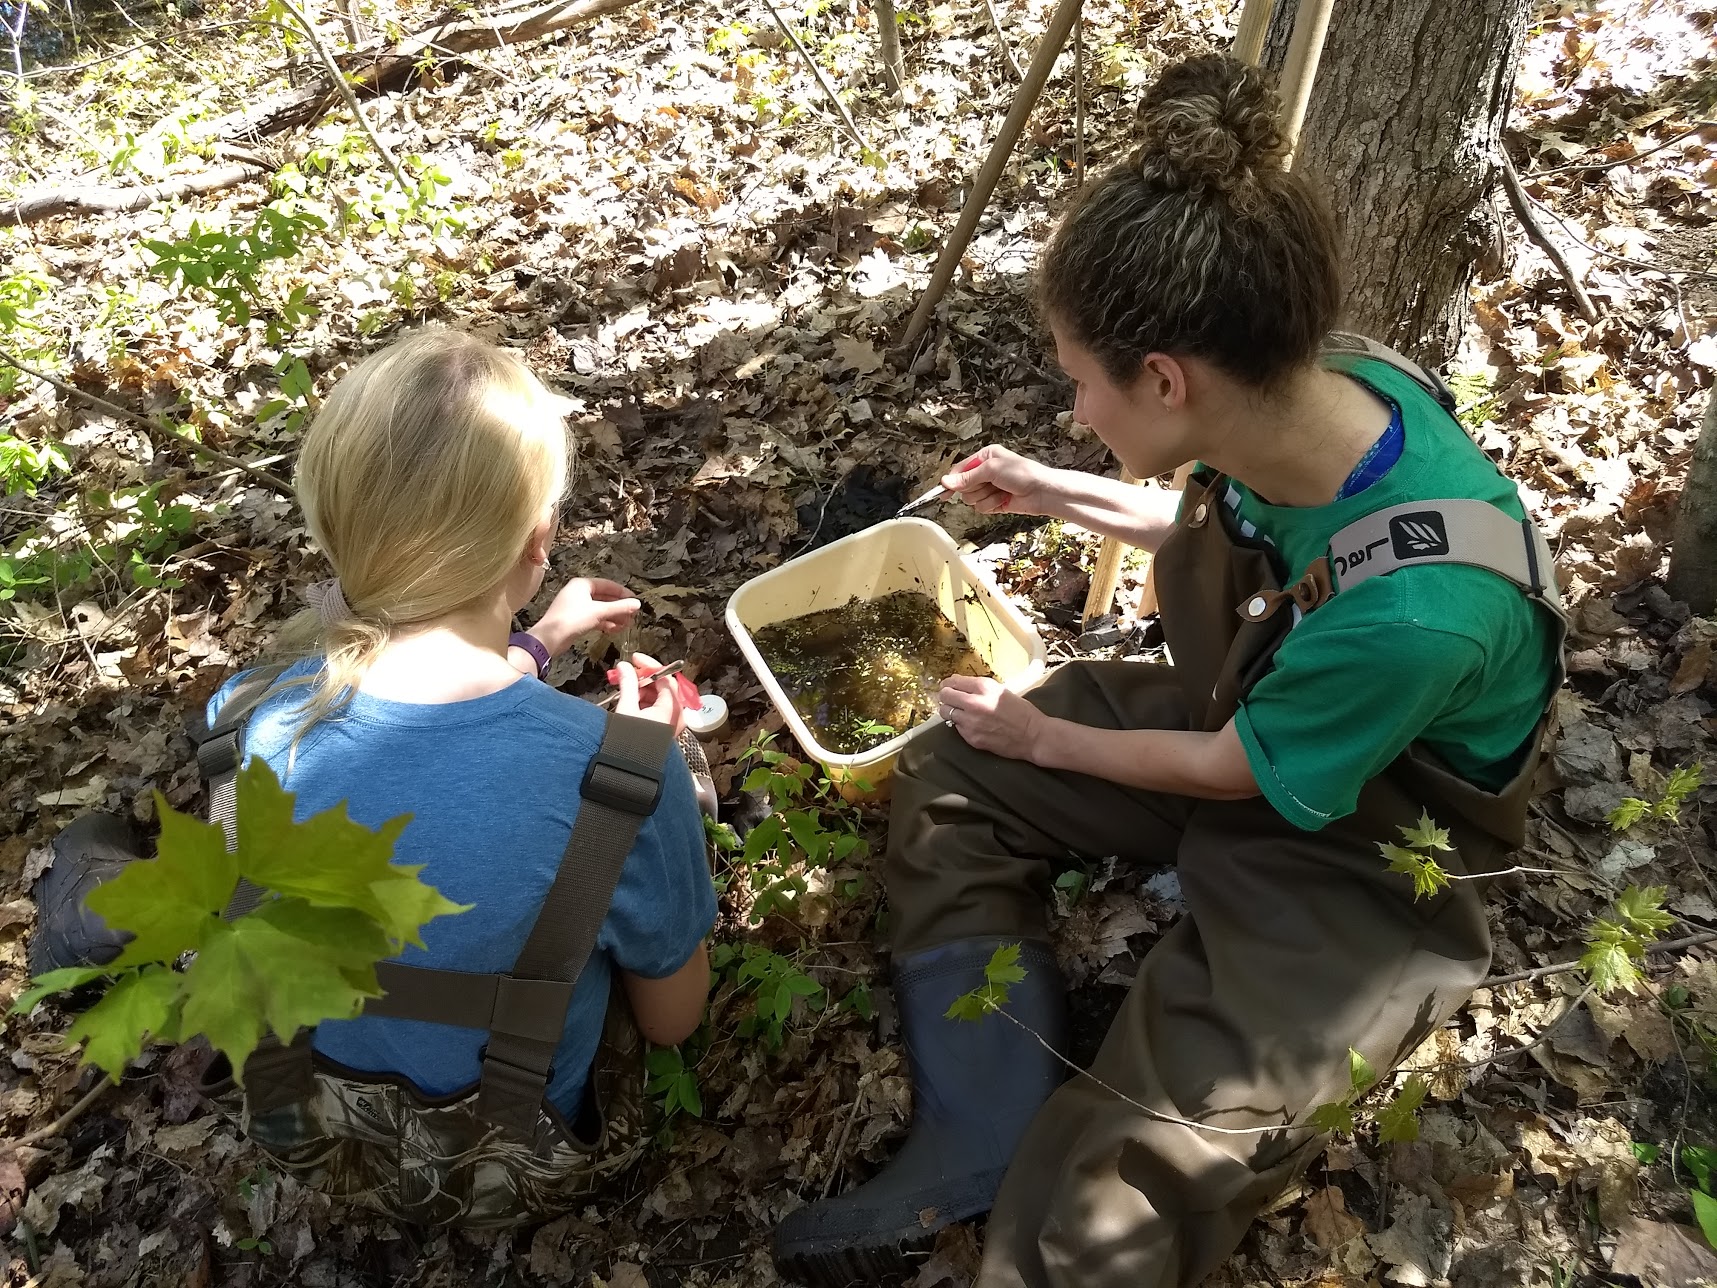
(1328, 1221)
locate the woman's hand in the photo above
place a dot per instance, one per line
(636, 688)
(990, 717)
(996, 479)
(584, 606)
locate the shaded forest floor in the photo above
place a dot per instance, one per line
(662, 212)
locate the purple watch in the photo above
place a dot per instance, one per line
(535, 647)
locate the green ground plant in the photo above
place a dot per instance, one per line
(334, 905)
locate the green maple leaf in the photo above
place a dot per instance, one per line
(1428, 875)
(1682, 783)
(171, 902)
(327, 859)
(1642, 911)
(1425, 834)
(1360, 1074)
(254, 974)
(56, 981)
(1609, 957)
(141, 1002)
(1336, 1116)
(1628, 813)
(333, 907)
(1003, 967)
(1399, 1119)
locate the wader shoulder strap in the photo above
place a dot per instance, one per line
(525, 1011)
(1429, 381)
(219, 755)
(1457, 530)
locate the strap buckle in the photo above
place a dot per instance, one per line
(630, 786)
(511, 1095)
(218, 755)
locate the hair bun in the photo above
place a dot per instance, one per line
(1211, 122)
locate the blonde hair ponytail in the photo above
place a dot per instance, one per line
(422, 478)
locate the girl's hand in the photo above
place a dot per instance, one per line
(996, 479)
(990, 717)
(636, 688)
(584, 606)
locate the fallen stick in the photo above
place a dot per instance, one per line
(1529, 223)
(380, 65)
(158, 433)
(1558, 968)
(55, 203)
(1054, 40)
(339, 80)
(828, 90)
(66, 1119)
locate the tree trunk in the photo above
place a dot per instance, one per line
(888, 31)
(1693, 561)
(1406, 113)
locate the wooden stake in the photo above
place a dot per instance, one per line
(1254, 26)
(983, 187)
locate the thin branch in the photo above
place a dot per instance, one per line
(1011, 355)
(1517, 202)
(1695, 128)
(841, 1145)
(1488, 1060)
(66, 1119)
(344, 87)
(1558, 968)
(1156, 1115)
(40, 73)
(55, 203)
(1002, 41)
(1670, 273)
(158, 433)
(846, 116)
(1078, 96)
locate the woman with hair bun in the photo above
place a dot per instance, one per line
(1363, 629)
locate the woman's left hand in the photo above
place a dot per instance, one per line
(585, 605)
(990, 717)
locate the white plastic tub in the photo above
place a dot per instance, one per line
(901, 554)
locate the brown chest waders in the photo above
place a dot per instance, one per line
(1295, 945)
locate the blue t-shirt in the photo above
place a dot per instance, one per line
(492, 785)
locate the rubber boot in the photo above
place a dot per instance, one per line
(976, 1085)
(91, 850)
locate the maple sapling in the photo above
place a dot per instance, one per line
(333, 906)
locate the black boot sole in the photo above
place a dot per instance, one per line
(851, 1266)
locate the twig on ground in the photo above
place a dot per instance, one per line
(66, 1119)
(1669, 274)
(1493, 1058)
(158, 432)
(1079, 97)
(841, 1145)
(1002, 41)
(1517, 202)
(345, 89)
(1610, 165)
(846, 116)
(1001, 351)
(177, 37)
(1558, 968)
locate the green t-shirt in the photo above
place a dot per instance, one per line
(1449, 654)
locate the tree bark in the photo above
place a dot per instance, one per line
(1693, 560)
(888, 33)
(1402, 132)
